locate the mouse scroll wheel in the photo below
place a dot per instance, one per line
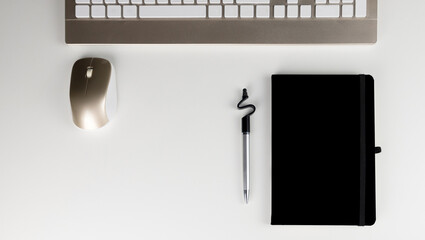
(89, 72)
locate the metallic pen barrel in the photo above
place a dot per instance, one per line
(246, 166)
(245, 131)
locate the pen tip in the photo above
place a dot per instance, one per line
(245, 195)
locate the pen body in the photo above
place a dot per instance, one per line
(245, 131)
(246, 170)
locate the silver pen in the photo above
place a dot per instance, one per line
(246, 143)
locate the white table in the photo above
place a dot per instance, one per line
(169, 165)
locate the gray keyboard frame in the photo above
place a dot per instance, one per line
(222, 31)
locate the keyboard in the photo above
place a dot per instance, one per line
(220, 21)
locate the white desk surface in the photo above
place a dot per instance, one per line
(169, 165)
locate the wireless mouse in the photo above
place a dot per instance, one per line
(93, 93)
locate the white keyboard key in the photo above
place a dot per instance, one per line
(110, 1)
(97, 1)
(188, 1)
(247, 11)
(176, 1)
(305, 11)
(173, 11)
(123, 1)
(97, 11)
(162, 1)
(347, 1)
(215, 11)
(263, 11)
(114, 11)
(334, 1)
(150, 2)
(130, 11)
(227, 1)
(347, 11)
(327, 11)
(215, 2)
(82, 1)
(201, 1)
(292, 11)
(361, 8)
(82, 11)
(320, 1)
(231, 11)
(252, 1)
(136, 1)
(279, 11)
(292, 1)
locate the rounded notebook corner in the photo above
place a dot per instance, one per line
(369, 77)
(372, 222)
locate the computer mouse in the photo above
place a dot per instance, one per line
(93, 93)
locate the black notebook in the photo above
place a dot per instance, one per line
(323, 150)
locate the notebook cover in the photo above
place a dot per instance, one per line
(323, 150)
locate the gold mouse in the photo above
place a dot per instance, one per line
(93, 92)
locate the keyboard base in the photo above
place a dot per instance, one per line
(227, 31)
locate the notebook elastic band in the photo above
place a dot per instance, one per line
(362, 207)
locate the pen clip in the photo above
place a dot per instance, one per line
(245, 97)
(246, 118)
